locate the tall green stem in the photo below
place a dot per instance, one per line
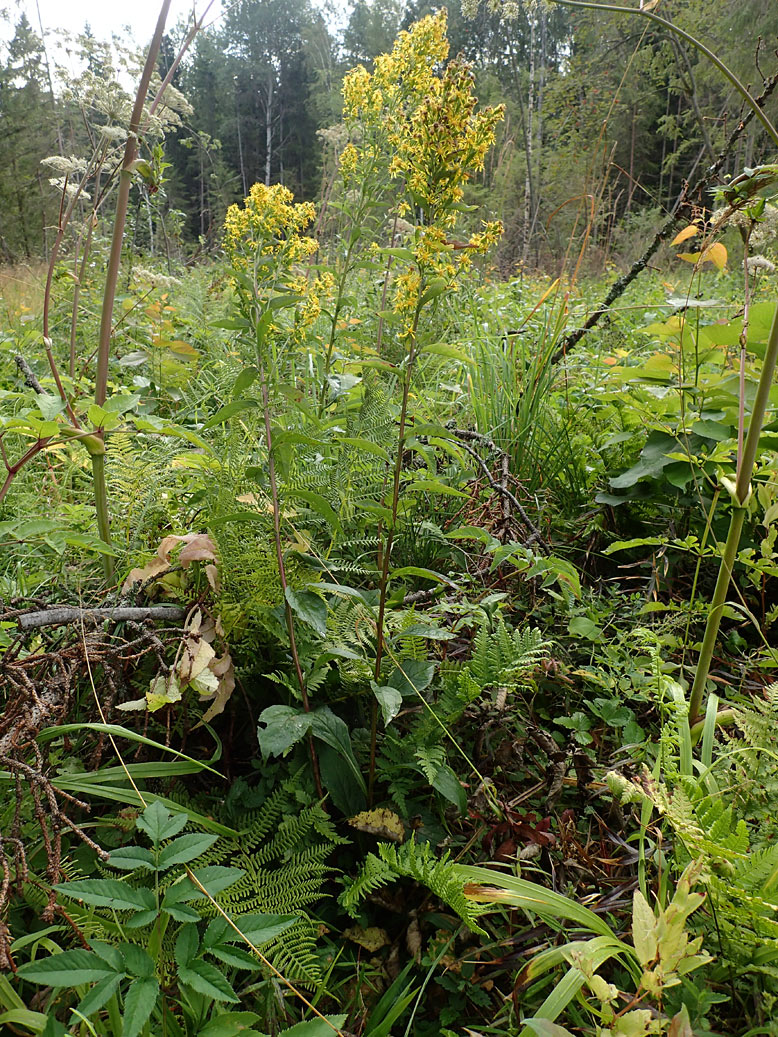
(112, 274)
(387, 549)
(741, 495)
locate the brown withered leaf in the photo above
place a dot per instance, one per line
(198, 547)
(223, 668)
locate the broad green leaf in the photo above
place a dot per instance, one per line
(284, 727)
(108, 893)
(366, 445)
(315, 1027)
(159, 823)
(234, 956)
(207, 980)
(139, 1002)
(389, 699)
(643, 929)
(450, 787)
(130, 858)
(187, 944)
(184, 849)
(137, 961)
(318, 504)
(120, 403)
(411, 676)
(230, 1024)
(49, 406)
(214, 879)
(259, 928)
(68, 969)
(246, 378)
(229, 410)
(545, 1028)
(310, 608)
(332, 730)
(36, 1022)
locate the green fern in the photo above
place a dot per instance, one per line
(504, 658)
(415, 862)
(285, 860)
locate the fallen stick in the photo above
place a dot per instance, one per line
(57, 617)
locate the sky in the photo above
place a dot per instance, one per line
(104, 16)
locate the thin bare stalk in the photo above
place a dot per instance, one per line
(112, 276)
(741, 497)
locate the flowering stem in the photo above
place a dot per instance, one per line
(387, 547)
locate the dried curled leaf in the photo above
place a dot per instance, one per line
(198, 548)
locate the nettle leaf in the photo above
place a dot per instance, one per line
(310, 608)
(284, 727)
(130, 858)
(389, 699)
(108, 893)
(207, 980)
(159, 823)
(68, 969)
(411, 676)
(184, 849)
(139, 1003)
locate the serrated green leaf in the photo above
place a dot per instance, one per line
(67, 969)
(159, 823)
(130, 858)
(100, 995)
(139, 1003)
(108, 893)
(207, 980)
(184, 849)
(187, 944)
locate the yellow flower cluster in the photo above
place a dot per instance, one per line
(265, 237)
(268, 224)
(425, 124)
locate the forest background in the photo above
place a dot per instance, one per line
(596, 106)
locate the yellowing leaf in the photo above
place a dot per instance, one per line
(643, 929)
(689, 257)
(685, 234)
(372, 938)
(382, 823)
(716, 254)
